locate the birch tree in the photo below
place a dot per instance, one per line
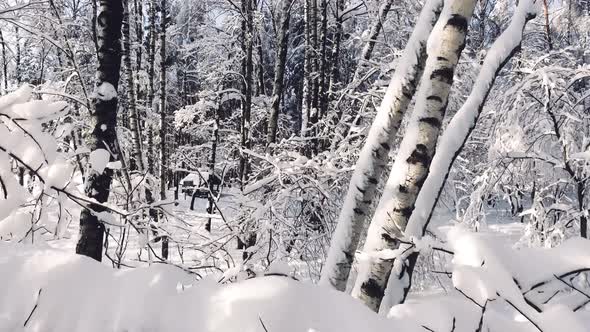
(102, 140)
(463, 123)
(415, 154)
(375, 153)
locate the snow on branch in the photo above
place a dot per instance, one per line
(457, 132)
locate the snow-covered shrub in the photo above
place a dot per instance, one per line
(38, 186)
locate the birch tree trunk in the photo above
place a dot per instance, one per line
(136, 161)
(375, 153)
(104, 122)
(416, 151)
(163, 120)
(281, 59)
(456, 134)
(463, 123)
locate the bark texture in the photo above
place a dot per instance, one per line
(375, 153)
(104, 122)
(406, 181)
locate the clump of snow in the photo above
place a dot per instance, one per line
(115, 165)
(106, 91)
(58, 174)
(99, 159)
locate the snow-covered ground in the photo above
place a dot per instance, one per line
(49, 288)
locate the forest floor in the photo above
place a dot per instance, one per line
(51, 289)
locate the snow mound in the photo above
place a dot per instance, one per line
(51, 290)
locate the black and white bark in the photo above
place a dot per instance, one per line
(459, 129)
(415, 154)
(375, 153)
(104, 122)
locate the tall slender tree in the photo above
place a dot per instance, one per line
(375, 153)
(281, 59)
(163, 119)
(416, 151)
(136, 160)
(103, 137)
(247, 72)
(4, 61)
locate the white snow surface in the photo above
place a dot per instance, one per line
(64, 292)
(56, 290)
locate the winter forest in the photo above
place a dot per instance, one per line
(295, 165)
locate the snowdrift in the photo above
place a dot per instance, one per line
(495, 287)
(52, 290)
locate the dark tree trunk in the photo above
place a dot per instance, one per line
(370, 46)
(335, 55)
(136, 160)
(261, 88)
(212, 179)
(4, 61)
(17, 56)
(323, 63)
(247, 68)
(279, 84)
(163, 124)
(547, 25)
(104, 122)
(151, 53)
(93, 25)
